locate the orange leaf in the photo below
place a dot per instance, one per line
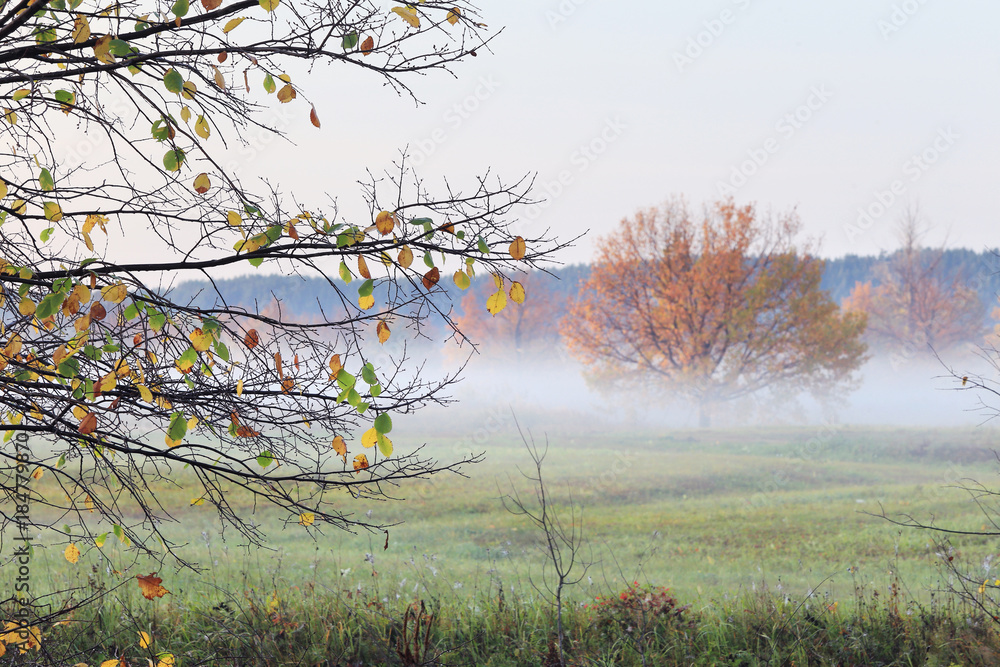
(405, 257)
(431, 278)
(252, 339)
(340, 447)
(150, 586)
(363, 268)
(286, 94)
(367, 45)
(287, 385)
(517, 248)
(335, 364)
(384, 222)
(360, 462)
(452, 15)
(72, 553)
(97, 311)
(382, 330)
(313, 118)
(277, 365)
(88, 424)
(209, 5)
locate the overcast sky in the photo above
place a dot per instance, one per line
(833, 108)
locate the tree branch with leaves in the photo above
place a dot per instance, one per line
(120, 385)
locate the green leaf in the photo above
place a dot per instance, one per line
(361, 407)
(349, 41)
(178, 426)
(123, 49)
(220, 349)
(173, 160)
(69, 368)
(265, 459)
(49, 305)
(180, 8)
(428, 260)
(353, 397)
(118, 531)
(157, 320)
(100, 540)
(483, 248)
(345, 380)
(421, 221)
(384, 444)
(368, 374)
(61, 462)
(269, 84)
(345, 273)
(45, 180)
(367, 287)
(375, 390)
(46, 234)
(255, 261)
(131, 312)
(188, 358)
(383, 423)
(173, 81)
(63, 96)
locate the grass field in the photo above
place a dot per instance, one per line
(713, 515)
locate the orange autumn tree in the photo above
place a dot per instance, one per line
(913, 307)
(711, 308)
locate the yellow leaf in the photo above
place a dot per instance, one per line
(202, 183)
(370, 438)
(185, 113)
(453, 15)
(285, 78)
(498, 280)
(102, 49)
(191, 423)
(144, 393)
(364, 302)
(231, 24)
(496, 302)
(306, 519)
(201, 127)
(37, 473)
(517, 292)
(27, 307)
(462, 280)
(220, 80)
(382, 330)
(239, 388)
(53, 211)
(196, 502)
(405, 257)
(81, 29)
(144, 640)
(189, 90)
(408, 14)
(88, 503)
(517, 248)
(20, 207)
(165, 660)
(3, 188)
(269, 5)
(114, 293)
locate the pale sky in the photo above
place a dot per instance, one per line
(827, 107)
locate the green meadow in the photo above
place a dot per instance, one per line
(720, 517)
